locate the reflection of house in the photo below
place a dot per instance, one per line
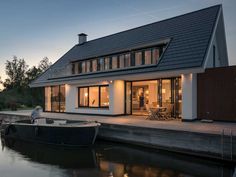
(131, 71)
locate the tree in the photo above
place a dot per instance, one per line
(44, 64)
(32, 74)
(16, 72)
(0, 83)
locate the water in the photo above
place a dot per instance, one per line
(21, 159)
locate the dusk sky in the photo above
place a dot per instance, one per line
(33, 29)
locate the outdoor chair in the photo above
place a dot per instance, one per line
(152, 114)
(165, 113)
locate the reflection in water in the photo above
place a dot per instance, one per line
(102, 160)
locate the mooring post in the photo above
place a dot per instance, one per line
(222, 144)
(231, 140)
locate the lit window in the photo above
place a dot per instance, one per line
(155, 56)
(83, 96)
(83, 65)
(55, 98)
(104, 102)
(114, 62)
(101, 64)
(107, 63)
(88, 66)
(127, 60)
(47, 98)
(138, 58)
(122, 61)
(93, 96)
(94, 65)
(148, 57)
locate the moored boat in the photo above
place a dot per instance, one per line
(58, 132)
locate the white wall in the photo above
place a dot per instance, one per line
(210, 56)
(116, 96)
(189, 96)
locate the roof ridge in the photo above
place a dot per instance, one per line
(219, 5)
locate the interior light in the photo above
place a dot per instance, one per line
(86, 94)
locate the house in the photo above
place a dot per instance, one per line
(131, 71)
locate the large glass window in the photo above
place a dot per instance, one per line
(104, 102)
(83, 96)
(138, 58)
(101, 64)
(62, 98)
(114, 62)
(155, 55)
(88, 66)
(94, 65)
(107, 63)
(148, 57)
(47, 96)
(122, 61)
(93, 96)
(55, 98)
(127, 60)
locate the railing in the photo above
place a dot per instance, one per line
(227, 145)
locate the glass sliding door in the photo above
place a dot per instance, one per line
(62, 98)
(55, 98)
(178, 98)
(144, 96)
(170, 96)
(47, 100)
(140, 96)
(128, 92)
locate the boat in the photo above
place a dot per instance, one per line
(49, 131)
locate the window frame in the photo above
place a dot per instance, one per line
(79, 97)
(121, 58)
(99, 97)
(59, 98)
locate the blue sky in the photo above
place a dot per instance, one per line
(33, 29)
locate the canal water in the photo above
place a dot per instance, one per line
(104, 159)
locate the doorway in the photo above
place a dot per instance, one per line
(143, 95)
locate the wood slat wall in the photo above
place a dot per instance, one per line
(216, 90)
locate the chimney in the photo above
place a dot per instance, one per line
(82, 38)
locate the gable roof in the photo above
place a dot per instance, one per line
(190, 35)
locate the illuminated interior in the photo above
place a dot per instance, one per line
(55, 98)
(94, 96)
(164, 93)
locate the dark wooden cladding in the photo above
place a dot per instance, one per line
(217, 94)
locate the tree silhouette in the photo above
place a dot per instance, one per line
(16, 72)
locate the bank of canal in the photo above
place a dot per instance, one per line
(214, 140)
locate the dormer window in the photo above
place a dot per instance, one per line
(141, 57)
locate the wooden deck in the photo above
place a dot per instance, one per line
(140, 121)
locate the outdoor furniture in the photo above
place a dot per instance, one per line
(165, 112)
(152, 113)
